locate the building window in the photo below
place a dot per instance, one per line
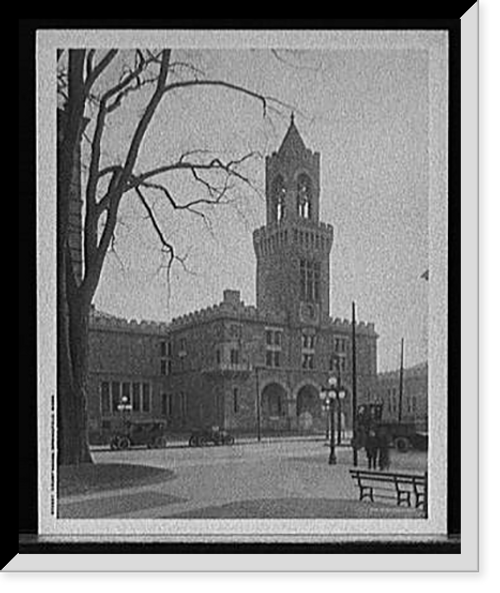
(278, 192)
(167, 404)
(236, 403)
(182, 347)
(115, 395)
(273, 347)
(146, 398)
(340, 345)
(309, 280)
(217, 356)
(307, 361)
(338, 363)
(235, 356)
(304, 196)
(273, 358)
(126, 393)
(136, 397)
(183, 404)
(308, 342)
(105, 399)
(163, 349)
(163, 366)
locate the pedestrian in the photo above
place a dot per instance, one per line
(371, 448)
(383, 443)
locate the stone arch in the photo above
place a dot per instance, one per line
(274, 400)
(310, 414)
(278, 195)
(304, 194)
(308, 400)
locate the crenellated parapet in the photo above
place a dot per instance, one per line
(104, 322)
(345, 325)
(231, 307)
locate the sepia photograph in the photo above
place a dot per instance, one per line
(243, 283)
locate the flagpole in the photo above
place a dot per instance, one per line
(400, 412)
(354, 394)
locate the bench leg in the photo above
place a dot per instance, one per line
(368, 493)
(404, 497)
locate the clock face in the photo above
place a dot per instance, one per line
(309, 312)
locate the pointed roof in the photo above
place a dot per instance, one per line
(292, 141)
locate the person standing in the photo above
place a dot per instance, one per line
(383, 443)
(371, 448)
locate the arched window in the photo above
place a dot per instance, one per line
(304, 196)
(278, 193)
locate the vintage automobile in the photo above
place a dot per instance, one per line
(140, 432)
(402, 435)
(207, 436)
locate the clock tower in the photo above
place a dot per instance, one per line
(293, 248)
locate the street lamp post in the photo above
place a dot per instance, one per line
(332, 395)
(124, 407)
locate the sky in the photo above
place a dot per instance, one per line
(365, 111)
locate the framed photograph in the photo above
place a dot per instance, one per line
(247, 254)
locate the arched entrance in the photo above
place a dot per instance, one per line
(274, 407)
(310, 416)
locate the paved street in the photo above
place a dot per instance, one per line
(275, 478)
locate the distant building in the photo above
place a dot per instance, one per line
(242, 367)
(414, 404)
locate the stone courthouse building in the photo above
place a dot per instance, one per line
(247, 368)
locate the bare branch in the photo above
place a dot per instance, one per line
(94, 73)
(189, 83)
(175, 205)
(181, 164)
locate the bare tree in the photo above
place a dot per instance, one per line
(87, 99)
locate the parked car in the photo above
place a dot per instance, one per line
(140, 432)
(207, 436)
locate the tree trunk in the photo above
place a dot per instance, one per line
(72, 309)
(72, 433)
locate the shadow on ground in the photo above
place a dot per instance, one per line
(301, 508)
(98, 477)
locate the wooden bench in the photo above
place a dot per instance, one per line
(404, 486)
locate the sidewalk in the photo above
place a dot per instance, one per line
(302, 485)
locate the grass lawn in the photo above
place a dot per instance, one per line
(302, 508)
(97, 477)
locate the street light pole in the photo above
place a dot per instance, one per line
(257, 403)
(332, 395)
(339, 414)
(332, 460)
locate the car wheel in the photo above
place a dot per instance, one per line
(123, 443)
(160, 442)
(402, 444)
(229, 440)
(193, 441)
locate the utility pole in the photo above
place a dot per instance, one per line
(354, 398)
(257, 403)
(400, 411)
(339, 411)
